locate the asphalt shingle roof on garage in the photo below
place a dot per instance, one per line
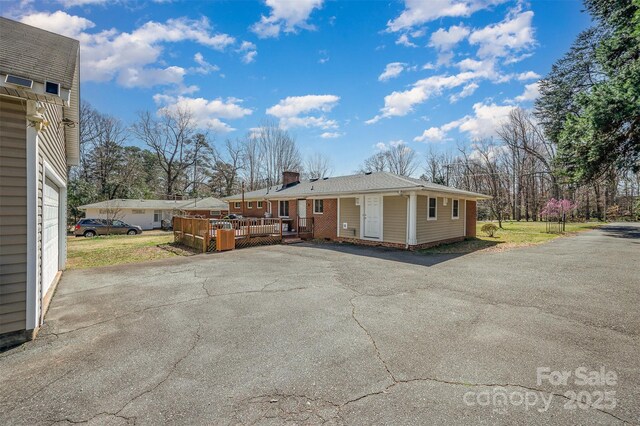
(209, 203)
(352, 184)
(37, 54)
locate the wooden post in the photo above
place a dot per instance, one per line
(280, 226)
(248, 229)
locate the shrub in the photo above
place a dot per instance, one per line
(489, 229)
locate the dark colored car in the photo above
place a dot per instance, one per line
(93, 227)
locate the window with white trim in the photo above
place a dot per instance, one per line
(137, 211)
(318, 206)
(157, 215)
(236, 205)
(432, 208)
(249, 204)
(258, 204)
(455, 209)
(283, 208)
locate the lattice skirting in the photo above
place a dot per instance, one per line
(258, 241)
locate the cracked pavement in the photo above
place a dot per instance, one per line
(335, 334)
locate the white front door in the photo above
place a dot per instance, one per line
(50, 231)
(302, 208)
(372, 213)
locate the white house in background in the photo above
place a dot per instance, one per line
(149, 214)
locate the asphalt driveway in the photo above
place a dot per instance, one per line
(335, 334)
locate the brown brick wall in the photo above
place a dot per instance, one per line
(471, 217)
(253, 212)
(324, 225)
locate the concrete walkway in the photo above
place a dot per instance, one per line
(335, 334)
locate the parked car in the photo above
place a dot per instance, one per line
(93, 227)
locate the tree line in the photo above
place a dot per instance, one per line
(581, 142)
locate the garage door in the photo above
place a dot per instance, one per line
(50, 221)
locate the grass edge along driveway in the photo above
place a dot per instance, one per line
(513, 235)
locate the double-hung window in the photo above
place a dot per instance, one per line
(283, 208)
(455, 209)
(258, 204)
(432, 208)
(318, 206)
(157, 215)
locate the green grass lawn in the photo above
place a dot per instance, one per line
(513, 234)
(118, 249)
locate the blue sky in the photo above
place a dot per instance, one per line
(345, 78)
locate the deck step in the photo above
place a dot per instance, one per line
(291, 240)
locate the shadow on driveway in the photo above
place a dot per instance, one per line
(393, 254)
(622, 231)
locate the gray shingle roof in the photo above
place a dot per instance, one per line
(352, 184)
(210, 203)
(39, 55)
(121, 203)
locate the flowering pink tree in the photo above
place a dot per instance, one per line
(558, 208)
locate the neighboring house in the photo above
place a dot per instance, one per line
(373, 208)
(39, 108)
(207, 207)
(149, 214)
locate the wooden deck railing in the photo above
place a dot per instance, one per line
(305, 226)
(200, 233)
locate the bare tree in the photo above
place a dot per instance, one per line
(376, 163)
(225, 175)
(317, 166)
(278, 152)
(170, 137)
(252, 161)
(401, 160)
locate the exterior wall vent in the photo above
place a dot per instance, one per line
(19, 81)
(52, 88)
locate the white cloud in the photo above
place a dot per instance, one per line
(432, 134)
(401, 103)
(392, 70)
(486, 120)
(531, 93)
(330, 135)
(403, 40)
(418, 12)
(248, 51)
(529, 75)
(207, 114)
(290, 110)
(204, 66)
(286, 16)
(72, 3)
(58, 22)
(466, 91)
(130, 58)
(513, 34)
(445, 40)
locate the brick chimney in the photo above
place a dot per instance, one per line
(290, 178)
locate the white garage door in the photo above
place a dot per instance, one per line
(50, 221)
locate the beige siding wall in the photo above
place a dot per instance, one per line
(444, 227)
(13, 215)
(52, 149)
(394, 223)
(349, 213)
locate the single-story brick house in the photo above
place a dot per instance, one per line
(149, 214)
(39, 134)
(377, 208)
